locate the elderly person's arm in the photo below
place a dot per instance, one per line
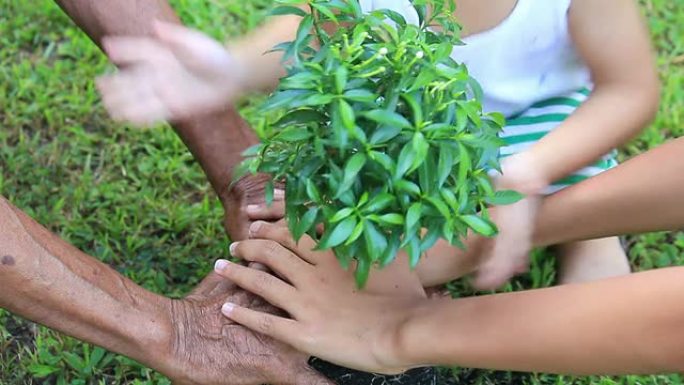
(216, 139)
(50, 282)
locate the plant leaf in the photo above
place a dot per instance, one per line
(324, 10)
(287, 10)
(360, 95)
(358, 230)
(505, 197)
(306, 222)
(347, 114)
(342, 214)
(480, 225)
(379, 203)
(413, 217)
(338, 235)
(390, 253)
(445, 164)
(341, 75)
(413, 251)
(407, 157)
(361, 273)
(376, 242)
(388, 117)
(351, 170)
(385, 133)
(293, 134)
(392, 219)
(268, 191)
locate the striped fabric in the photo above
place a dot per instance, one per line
(525, 129)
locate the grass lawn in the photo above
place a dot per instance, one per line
(136, 200)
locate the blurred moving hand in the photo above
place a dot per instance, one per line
(173, 75)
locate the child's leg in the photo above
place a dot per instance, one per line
(591, 260)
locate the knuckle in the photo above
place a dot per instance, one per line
(271, 250)
(263, 282)
(265, 325)
(283, 236)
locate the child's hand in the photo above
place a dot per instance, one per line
(173, 75)
(508, 253)
(323, 301)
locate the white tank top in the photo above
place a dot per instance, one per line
(527, 58)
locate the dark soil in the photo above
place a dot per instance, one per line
(421, 376)
(344, 376)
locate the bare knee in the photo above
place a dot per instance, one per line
(592, 260)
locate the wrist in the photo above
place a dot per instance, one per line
(248, 189)
(407, 341)
(152, 344)
(167, 354)
(524, 173)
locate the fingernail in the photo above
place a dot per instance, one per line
(232, 248)
(220, 265)
(253, 209)
(277, 193)
(227, 308)
(254, 228)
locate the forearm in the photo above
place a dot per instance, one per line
(216, 140)
(264, 68)
(48, 281)
(121, 17)
(605, 121)
(612, 40)
(641, 195)
(444, 262)
(574, 329)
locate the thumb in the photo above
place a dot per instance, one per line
(504, 262)
(496, 270)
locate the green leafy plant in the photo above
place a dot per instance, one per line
(381, 138)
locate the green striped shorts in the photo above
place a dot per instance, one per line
(526, 128)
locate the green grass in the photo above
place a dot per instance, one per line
(136, 200)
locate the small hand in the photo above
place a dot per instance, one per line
(508, 253)
(209, 349)
(173, 75)
(331, 319)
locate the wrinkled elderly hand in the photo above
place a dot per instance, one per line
(244, 203)
(207, 348)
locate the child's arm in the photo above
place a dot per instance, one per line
(611, 38)
(264, 69)
(630, 324)
(638, 196)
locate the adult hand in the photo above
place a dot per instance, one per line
(508, 253)
(208, 348)
(244, 203)
(331, 319)
(176, 74)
